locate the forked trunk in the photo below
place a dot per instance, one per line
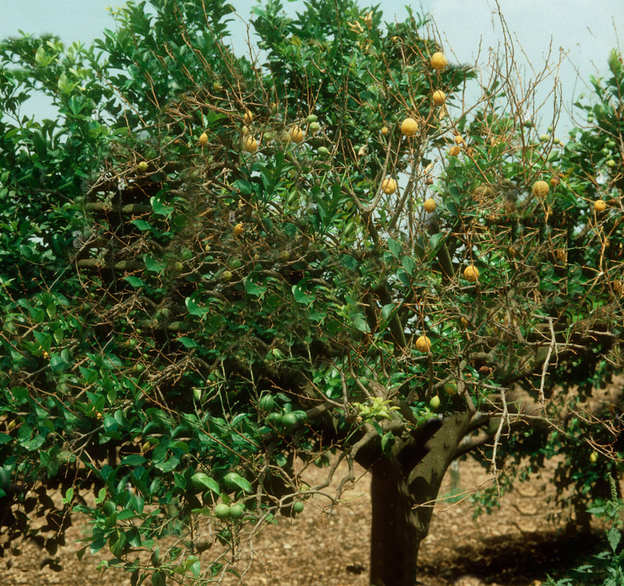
(403, 491)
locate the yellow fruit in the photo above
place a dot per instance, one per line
(438, 61)
(471, 273)
(600, 205)
(250, 144)
(384, 130)
(540, 189)
(409, 127)
(143, 166)
(458, 139)
(423, 344)
(434, 403)
(389, 185)
(593, 457)
(226, 275)
(430, 205)
(238, 229)
(450, 388)
(248, 117)
(439, 97)
(296, 135)
(454, 151)
(203, 139)
(246, 130)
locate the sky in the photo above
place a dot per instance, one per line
(584, 29)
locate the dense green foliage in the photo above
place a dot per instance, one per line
(187, 322)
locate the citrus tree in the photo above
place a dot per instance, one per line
(218, 271)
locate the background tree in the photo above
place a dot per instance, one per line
(242, 269)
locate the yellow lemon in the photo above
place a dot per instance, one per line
(600, 205)
(439, 97)
(296, 135)
(409, 127)
(438, 61)
(471, 273)
(389, 185)
(250, 144)
(429, 205)
(540, 189)
(423, 344)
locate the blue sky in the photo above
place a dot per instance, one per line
(584, 29)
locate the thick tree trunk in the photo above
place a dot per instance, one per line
(404, 488)
(396, 530)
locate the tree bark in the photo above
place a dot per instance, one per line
(404, 488)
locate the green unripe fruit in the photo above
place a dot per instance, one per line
(289, 420)
(273, 419)
(434, 403)
(266, 402)
(314, 127)
(226, 275)
(143, 166)
(237, 510)
(222, 511)
(109, 508)
(297, 507)
(323, 151)
(312, 118)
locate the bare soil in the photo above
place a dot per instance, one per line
(516, 545)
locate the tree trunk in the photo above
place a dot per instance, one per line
(404, 488)
(396, 530)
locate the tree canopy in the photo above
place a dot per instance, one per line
(218, 270)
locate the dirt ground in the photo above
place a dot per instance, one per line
(517, 545)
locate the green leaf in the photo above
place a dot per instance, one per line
(395, 247)
(168, 465)
(387, 439)
(408, 264)
(232, 480)
(135, 281)
(69, 495)
(614, 536)
(386, 310)
(153, 265)
(436, 241)
(254, 289)
(201, 481)
(360, 323)
(142, 225)
(188, 343)
(133, 460)
(159, 208)
(195, 309)
(301, 296)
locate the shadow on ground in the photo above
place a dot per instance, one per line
(517, 560)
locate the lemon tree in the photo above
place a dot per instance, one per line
(250, 267)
